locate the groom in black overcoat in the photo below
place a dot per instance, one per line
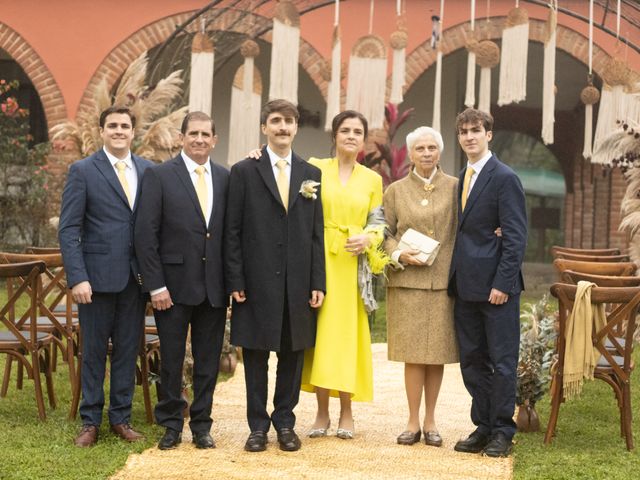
(274, 270)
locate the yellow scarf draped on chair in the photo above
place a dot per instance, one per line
(581, 356)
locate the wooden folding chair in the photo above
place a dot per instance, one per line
(595, 268)
(63, 326)
(593, 258)
(569, 276)
(584, 251)
(615, 364)
(32, 349)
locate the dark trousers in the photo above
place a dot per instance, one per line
(207, 333)
(288, 377)
(489, 339)
(119, 317)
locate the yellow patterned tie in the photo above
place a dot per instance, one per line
(465, 186)
(283, 182)
(121, 167)
(201, 190)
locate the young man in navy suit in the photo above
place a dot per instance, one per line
(486, 279)
(99, 206)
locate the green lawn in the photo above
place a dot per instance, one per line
(588, 444)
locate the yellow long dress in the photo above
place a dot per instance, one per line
(341, 359)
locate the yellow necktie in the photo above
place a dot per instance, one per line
(283, 182)
(465, 186)
(121, 167)
(201, 190)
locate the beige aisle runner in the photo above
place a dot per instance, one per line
(372, 454)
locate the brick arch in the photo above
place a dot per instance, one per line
(22, 52)
(116, 62)
(454, 38)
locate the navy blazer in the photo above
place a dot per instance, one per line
(482, 260)
(174, 246)
(96, 224)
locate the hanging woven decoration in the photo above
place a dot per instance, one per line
(367, 80)
(620, 99)
(437, 90)
(513, 59)
(487, 56)
(285, 48)
(246, 96)
(398, 43)
(589, 95)
(201, 83)
(333, 92)
(549, 76)
(470, 94)
(616, 103)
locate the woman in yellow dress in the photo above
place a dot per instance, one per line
(340, 365)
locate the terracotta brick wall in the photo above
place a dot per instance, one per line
(15, 45)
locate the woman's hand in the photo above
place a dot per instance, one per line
(407, 258)
(498, 232)
(356, 244)
(255, 154)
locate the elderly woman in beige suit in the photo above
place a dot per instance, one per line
(420, 329)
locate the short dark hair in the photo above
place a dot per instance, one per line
(117, 109)
(279, 105)
(197, 116)
(474, 116)
(342, 116)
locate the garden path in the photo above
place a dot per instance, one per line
(372, 454)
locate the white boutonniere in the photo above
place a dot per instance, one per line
(309, 189)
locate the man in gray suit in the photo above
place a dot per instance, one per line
(99, 205)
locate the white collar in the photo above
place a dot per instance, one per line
(425, 180)
(113, 159)
(479, 165)
(274, 157)
(192, 165)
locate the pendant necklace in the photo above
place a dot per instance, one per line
(428, 188)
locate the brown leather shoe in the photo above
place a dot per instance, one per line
(87, 437)
(125, 432)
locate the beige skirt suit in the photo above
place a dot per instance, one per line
(419, 312)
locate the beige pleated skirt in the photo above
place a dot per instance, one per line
(420, 326)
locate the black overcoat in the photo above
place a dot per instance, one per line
(271, 253)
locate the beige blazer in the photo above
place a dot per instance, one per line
(438, 219)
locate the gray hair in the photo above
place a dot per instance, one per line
(421, 132)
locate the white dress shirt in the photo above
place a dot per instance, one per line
(477, 168)
(274, 159)
(191, 168)
(130, 173)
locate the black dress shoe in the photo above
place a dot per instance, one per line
(203, 440)
(257, 442)
(498, 446)
(288, 440)
(474, 443)
(408, 437)
(170, 439)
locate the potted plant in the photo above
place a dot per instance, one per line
(537, 340)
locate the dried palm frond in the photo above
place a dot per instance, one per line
(161, 140)
(132, 83)
(622, 148)
(157, 99)
(157, 127)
